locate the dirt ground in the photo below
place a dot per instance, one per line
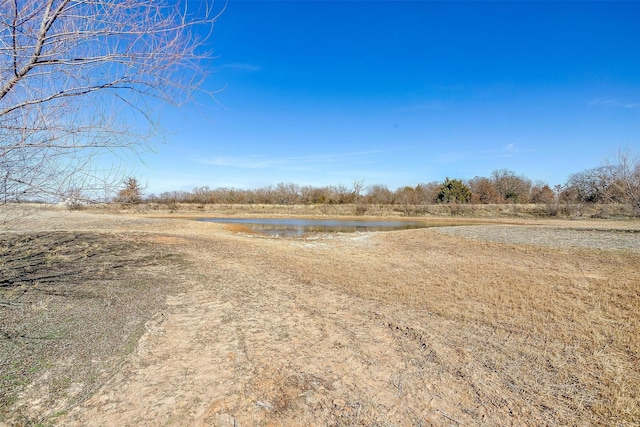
(535, 322)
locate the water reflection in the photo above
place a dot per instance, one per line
(299, 227)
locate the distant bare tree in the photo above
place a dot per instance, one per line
(77, 77)
(131, 193)
(202, 194)
(358, 198)
(379, 194)
(307, 194)
(541, 193)
(264, 195)
(512, 188)
(358, 187)
(625, 169)
(287, 193)
(316, 195)
(339, 194)
(595, 185)
(427, 193)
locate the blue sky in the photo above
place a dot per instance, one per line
(406, 92)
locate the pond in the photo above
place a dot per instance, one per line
(300, 227)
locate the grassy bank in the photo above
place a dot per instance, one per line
(497, 211)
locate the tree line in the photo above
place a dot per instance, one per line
(613, 182)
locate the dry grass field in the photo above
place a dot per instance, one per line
(128, 319)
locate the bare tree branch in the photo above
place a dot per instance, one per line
(77, 75)
(625, 169)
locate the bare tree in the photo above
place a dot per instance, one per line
(80, 78)
(427, 193)
(131, 193)
(407, 197)
(286, 193)
(358, 186)
(595, 185)
(626, 172)
(512, 188)
(379, 194)
(359, 200)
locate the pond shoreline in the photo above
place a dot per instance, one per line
(299, 227)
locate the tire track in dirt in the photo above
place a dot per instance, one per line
(198, 361)
(250, 343)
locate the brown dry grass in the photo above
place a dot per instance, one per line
(596, 211)
(549, 333)
(417, 327)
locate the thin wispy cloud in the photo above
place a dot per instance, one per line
(238, 66)
(505, 151)
(291, 163)
(237, 162)
(614, 103)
